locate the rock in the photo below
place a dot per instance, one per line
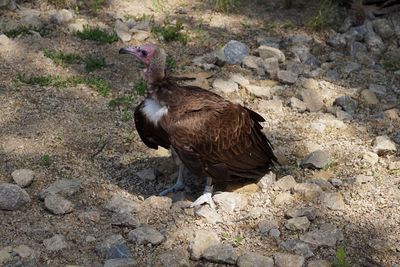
(269, 41)
(347, 103)
(297, 247)
(272, 105)
(308, 191)
(259, 91)
(58, 205)
(143, 25)
(250, 259)
(318, 127)
(77, 25)
(157, 203)
(62, 16)
(144, 235)
(235, 52)
(226, 87)
(379, 90)
(369, 98)
(147, 174)
(267, 181)
(363, 179)
(322, 183)
(316, 160)
(221, 253)
(319, 263)
(297, 104)
(288, 260)
(342, 115)
(30, 17)
(374, 43)
(327, 235)
(283, 198)
(203, 239)
(122, 30)
(113, 247)
(230, 201)
(239, 79)
(209, 214)
(338, 41)
(125, 219)
(392, 114)
(383, 28)
(23, 177)
(271, 52)
(297, 223)
(5, 254)
(300, 39)
(4, 3)
(271, 66)
(121, 262)
(371, 158)
(24, 251)
(302, 54)
(265, 226)
(55, 243)
(63, 187)
(121, 204)
(310, 84)
(285, 183)
(333, 201)
(350, 67)
(252, 62)
(91, 216)
(312, 100)
(4, 40)
(275, 233)
(173, 257)
(140, 36)
(308, 212)
(382, 145)
(12, 197)
(288, 77)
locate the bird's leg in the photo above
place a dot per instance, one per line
(206, 197)
(179, 184)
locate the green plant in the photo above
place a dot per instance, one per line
(96, 34)
(60, 58)
(170, 63)
(95, 5)
(45, 160)
(126, 115)
(121, 101)
(140, 87)
(93, 63)
(171, 32)
(323, 16)
(239, 239)
(100, 85)
(157, 5)
(225, 5)
(340, 259)
(391, 64)
(25, 30)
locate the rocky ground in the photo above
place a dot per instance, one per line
(78, 187)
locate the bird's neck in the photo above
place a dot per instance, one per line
(156, 70)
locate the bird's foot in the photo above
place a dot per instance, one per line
(173, 189)
(205, 198)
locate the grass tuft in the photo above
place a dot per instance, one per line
(171, 32)
(170, 63)
(45, 160)
(25, 30)
(60, 58)
(340, 259)
(96, 34)
(323, 16)
(93, 63)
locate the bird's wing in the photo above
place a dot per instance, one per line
(153, 136)
(218, 138)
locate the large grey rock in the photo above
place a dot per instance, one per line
(297, 223)
(58, 205)
(288, 260)
(327, 235)
(297, 247)
(259, 91)
(297, 104)
(266, 182)
(125, 219)
(333, 201)
(351, 67)
(303, 55)
(12, 197)
(77, 25)
(144, 235)
(252, 62)
(239, 79)
(347, 103)
(25, 252)
(308, 191)
(157, 203)
(230, 201)
(285, 76)
(64, 187)
(121, 262)
(235, 52)
(300, 39)
(269, 41)
(121, 204)
(31, 17)
(173, 258)
(319, 263)
(113, 247)
(202, 240)
(122, 30)
(271, 52)
(23, 177)
(338, 41)
(271, 66)
(383, 28)
(55, 243)
(250, 259)
(225, 86)
(221, 253)
(265, 226)
(312, 99)
(62, 16)
(379, 90)
(309, 212)
(316, 160)
(209, 214)
(374, 43)
(369, 98)
(382, 145)
(285, 183)
(283, 198)
(5, 254)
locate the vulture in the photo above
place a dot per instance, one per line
(213, 138)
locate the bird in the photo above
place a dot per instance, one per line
(215, 139)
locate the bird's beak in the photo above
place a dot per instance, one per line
(129, 50)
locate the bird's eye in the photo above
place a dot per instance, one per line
(144, 53)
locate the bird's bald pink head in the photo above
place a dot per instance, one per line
(144, 53)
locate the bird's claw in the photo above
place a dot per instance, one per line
(173, 189)
(205, 198)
